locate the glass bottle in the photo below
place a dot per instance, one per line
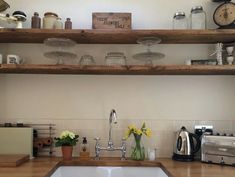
(180, 21)
(197, 18)
(36, 21)
(68, 24)
(84, 149)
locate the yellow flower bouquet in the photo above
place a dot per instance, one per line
(138, 152)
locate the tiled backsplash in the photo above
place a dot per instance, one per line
(162, 137)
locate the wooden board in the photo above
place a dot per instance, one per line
(111, 20)
(12, 160)
(118, 70)
(118, 36)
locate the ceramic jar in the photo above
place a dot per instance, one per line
(49, 20)
(68, 24)
(35, 21)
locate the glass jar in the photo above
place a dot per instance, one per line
(115, 58)
(49, 20)
(58, 24)
(197, 18)
(180, 21)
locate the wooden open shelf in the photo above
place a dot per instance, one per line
(118, 70)
(118, 36)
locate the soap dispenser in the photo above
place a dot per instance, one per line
(84, 149)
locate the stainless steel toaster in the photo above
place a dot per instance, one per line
(218, 149)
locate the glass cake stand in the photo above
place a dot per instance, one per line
(148, 56)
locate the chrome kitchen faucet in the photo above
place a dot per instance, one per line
(110, 147)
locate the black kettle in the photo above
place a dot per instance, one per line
(186, 145)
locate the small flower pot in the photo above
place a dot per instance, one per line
(67, 152)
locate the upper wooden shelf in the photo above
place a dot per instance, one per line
(118, 36)
(118, 70)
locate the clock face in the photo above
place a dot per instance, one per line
(225, 14)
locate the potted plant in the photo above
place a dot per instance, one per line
(138, 151)
(66, 140)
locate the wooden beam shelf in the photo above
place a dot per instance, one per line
(89, 36)
(118, 70)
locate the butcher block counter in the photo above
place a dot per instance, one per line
(44, 167)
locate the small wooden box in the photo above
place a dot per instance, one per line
(111, 20)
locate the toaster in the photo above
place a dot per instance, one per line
(218, 149)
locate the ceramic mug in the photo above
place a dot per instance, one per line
(14, 59)
(230, 59)
(229, 50)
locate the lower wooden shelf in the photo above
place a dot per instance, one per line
(118, 70)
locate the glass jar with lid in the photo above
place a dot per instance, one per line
(49, 20)
(180, 21)
(115, 58)
(197, 18)
(58, 24)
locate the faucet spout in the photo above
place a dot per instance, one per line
(112, 118)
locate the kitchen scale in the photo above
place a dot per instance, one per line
(224, 15)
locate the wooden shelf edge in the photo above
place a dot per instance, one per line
(118, 70)
(96, 36)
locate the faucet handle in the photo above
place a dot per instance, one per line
(97, 139)
(123, 149)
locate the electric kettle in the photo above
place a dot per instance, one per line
(186, 145)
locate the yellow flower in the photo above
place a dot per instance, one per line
(139, 132)
(132, 129)
(148, 132)
(127, 134)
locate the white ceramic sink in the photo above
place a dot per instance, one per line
(108, 171)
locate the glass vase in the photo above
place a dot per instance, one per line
(138, 151)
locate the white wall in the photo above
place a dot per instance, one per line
(145, 13)
(82, 103)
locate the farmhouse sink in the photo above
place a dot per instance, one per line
(108, 171)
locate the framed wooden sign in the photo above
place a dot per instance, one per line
(111, 20)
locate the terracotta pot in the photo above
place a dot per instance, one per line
(67, 152)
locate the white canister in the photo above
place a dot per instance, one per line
(49, 20)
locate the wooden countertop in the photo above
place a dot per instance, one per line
(44, 167)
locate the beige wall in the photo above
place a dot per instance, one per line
(83, 103)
